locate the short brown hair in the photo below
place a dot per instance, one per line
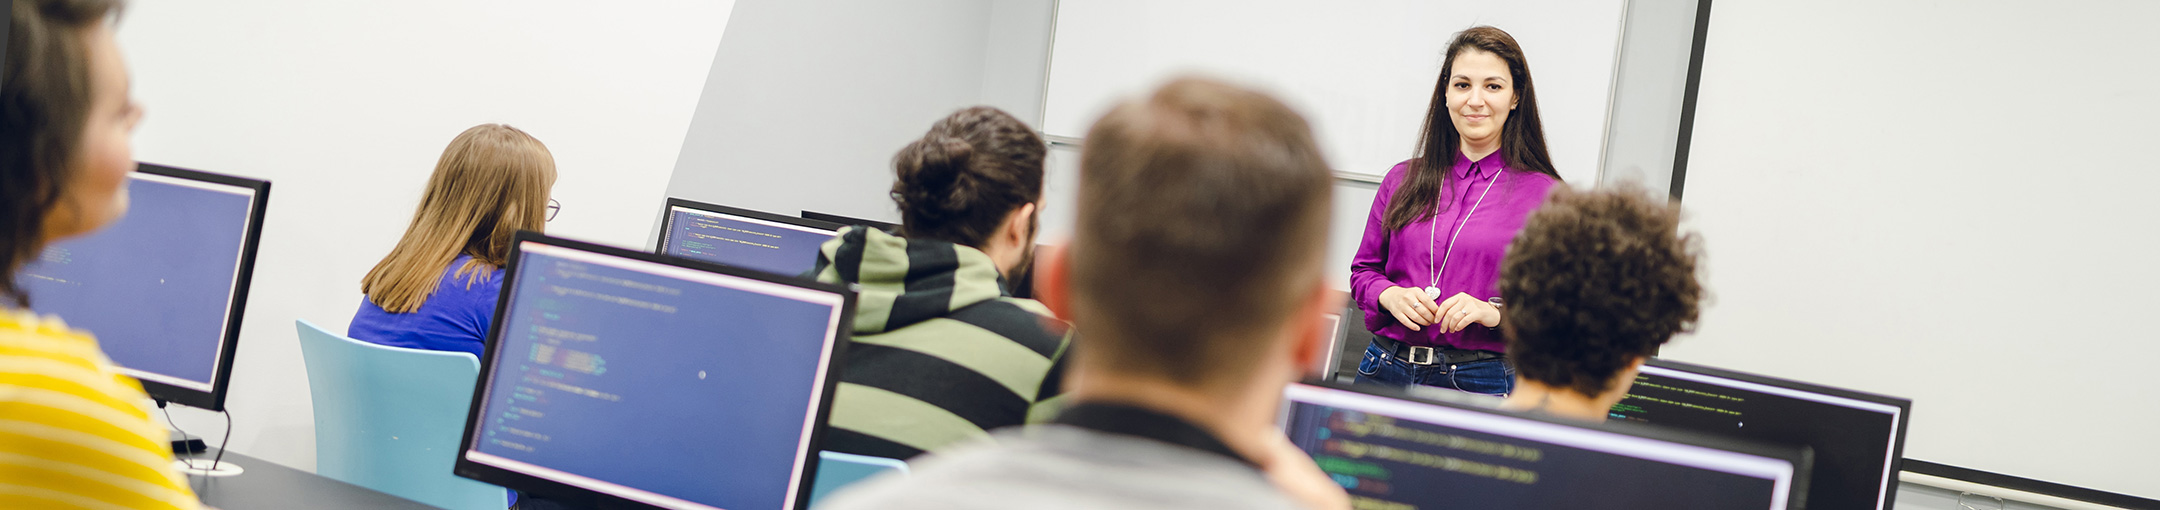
(957, 182)
(1202, 214)
(1595, 279)
(44, 103)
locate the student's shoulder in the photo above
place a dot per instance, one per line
(1058, 466)
(26, 334)
(1026, 321)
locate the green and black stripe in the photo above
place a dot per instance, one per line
(942, 353)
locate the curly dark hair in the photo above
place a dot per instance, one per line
(1596, 279)
(966, 174)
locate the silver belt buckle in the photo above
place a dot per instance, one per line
(1420, 355)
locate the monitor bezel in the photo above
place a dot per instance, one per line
(1801, 457)
(667, 219)
(581, 497)
(1897, 441)
(221, 379)
(849, 220)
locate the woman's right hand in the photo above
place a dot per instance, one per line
(1411, 307)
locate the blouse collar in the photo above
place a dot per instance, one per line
(1482, 169)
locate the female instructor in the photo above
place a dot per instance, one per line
(1427, 272)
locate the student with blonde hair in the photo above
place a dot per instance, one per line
(436, 290)
(76, 433)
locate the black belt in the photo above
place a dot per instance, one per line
(1421, 355)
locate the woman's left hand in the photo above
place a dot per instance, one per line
(1461, 310)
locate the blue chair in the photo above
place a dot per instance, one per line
(391, 419)
(836, 470)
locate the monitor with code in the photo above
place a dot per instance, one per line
(619, 378)
(1858, 438)
(162, 288)
(1399, 454)
(742, 238)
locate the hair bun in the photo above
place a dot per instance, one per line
(930, 171)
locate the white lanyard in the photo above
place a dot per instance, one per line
(1432, 291)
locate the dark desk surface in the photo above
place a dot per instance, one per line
(265, 485)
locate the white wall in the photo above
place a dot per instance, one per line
(345, 106)
(809, 99)
(1947, 201)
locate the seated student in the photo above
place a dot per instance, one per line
(74, 432)
(1596, 281)
(942, 352)
(1196, 273)
(436, 290)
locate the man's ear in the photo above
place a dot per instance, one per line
(1019, 225)
(1053, 283)
(1311, 343)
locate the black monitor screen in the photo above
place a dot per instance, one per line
(613, 377)
(1856, 441)
(1397, 454)
(743, 238)
(160, 287)
(888, 227)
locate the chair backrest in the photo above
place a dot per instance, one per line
(836, 470)
(391, 419)
(1351, 342)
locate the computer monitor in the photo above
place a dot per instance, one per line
(844, 220)
(163, 287)
(1858, 438)
(741, 237)
(1394, 452)
(616, 378)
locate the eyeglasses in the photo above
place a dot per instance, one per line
(553, 207)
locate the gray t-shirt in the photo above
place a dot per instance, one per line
(1068, 467)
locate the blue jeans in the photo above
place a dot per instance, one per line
(1485, 377)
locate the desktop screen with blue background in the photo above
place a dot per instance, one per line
(681, 383)
(767, 246)
(155, 287)
(1392, 460)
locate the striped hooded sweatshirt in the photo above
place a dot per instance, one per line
(942, 352)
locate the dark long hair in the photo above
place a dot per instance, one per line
(44, 104)
(1522, 139)
(974, 167)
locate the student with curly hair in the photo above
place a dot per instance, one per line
(942, 352)
(1595, 283)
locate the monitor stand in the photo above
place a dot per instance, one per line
(198, 466)
(189, 449)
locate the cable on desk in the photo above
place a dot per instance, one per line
(215, 460)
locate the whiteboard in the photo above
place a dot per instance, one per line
(1362, 72)
(1930, 241)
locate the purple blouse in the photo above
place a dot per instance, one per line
(1407, 257)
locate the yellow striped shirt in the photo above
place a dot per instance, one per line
(74, 432)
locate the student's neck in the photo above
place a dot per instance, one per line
(1224, 416)
(1477, 150)
(997, 254)
(1532, 396)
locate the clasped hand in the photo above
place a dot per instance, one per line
(1414, 309)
